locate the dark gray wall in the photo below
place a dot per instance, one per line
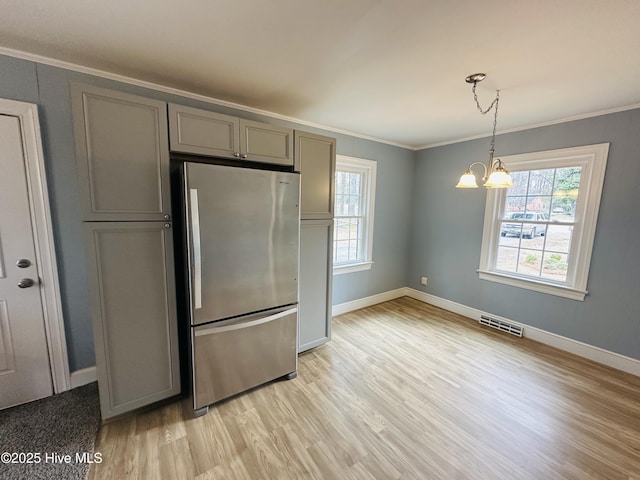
(447, 235)
(48, 87)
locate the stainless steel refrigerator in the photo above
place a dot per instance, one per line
(242, 247)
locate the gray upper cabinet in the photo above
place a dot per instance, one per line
(134, 313)
(208, 133)
(315, 159)
(266, 143)
(122, 151)
(202, 132)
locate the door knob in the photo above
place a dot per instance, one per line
(25, 283)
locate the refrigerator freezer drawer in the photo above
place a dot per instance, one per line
(235, 355)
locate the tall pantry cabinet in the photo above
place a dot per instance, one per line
(315, 159)
(122, 154)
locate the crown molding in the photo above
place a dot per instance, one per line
(532, 126)
(223, 103)
(183, 93)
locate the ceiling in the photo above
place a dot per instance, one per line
(388, 69)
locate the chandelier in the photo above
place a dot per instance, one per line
(495, 173)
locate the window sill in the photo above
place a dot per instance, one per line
(537, 286)
(354, 267)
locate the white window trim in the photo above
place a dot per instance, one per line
(352, 267)
(593, 159)
(344, 162)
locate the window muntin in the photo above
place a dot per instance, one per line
(539, 233)
(354, 207)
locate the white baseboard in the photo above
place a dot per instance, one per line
(83, 376)
(597, 354)
(368, 301)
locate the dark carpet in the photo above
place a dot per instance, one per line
(56, 435)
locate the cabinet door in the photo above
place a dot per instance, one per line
(316, 270)
(266, 143)
(202, 132)
(122, 151)
(134, 313)
(315, 159)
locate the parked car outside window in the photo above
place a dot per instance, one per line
(523, 229)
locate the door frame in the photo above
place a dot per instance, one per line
(27, 114)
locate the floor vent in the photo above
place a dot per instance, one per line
(516, 330)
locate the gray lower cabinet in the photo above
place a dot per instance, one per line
(134, 313)
(316, 269)
(192, 130)
(122, 154)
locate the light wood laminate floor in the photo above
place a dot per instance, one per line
(403, 391)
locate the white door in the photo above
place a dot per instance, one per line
(25, 373)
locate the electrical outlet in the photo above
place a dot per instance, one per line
(423, 280)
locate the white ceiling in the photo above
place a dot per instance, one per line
(388, 69)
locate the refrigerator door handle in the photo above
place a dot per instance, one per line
(246, 322)
(197, 252)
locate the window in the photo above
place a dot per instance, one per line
(354, 205)
(539, 233)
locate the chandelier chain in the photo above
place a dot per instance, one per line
(484, 112)
(475, 97)
(495, 122)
